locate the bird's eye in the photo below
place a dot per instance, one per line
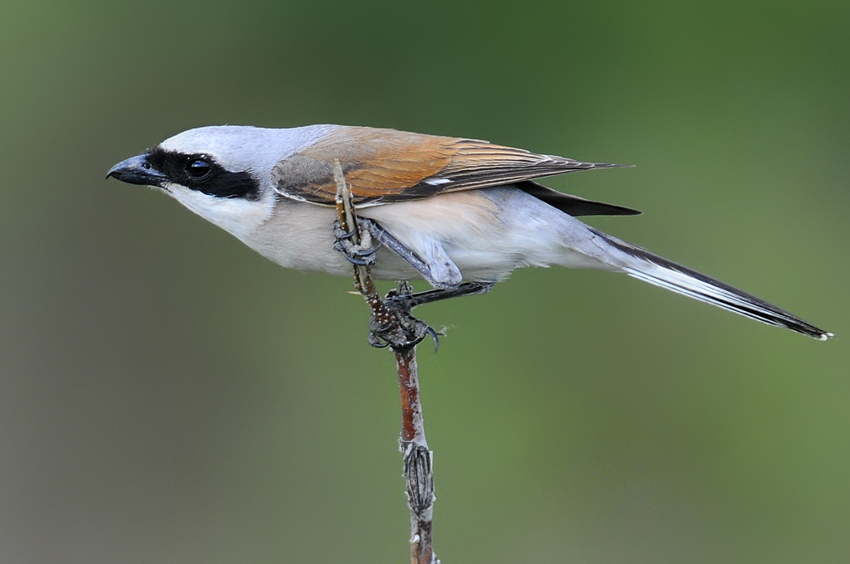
(198, 168)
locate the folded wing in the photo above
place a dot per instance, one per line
(384, 166)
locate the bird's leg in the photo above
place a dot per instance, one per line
(438, 294)
(386, 238)
(401, 301)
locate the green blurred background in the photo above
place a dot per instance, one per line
(168, 396)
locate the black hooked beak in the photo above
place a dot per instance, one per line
(137, 170)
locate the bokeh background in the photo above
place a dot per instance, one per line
(168, 396)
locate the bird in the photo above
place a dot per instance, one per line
(457, 212)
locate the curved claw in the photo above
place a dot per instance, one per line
(358, 261)
(340, 234)
(434, 335)
(383, 329)
(377, 342)
(428, 332)
(369, 252)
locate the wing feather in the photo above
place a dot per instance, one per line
(385, 165)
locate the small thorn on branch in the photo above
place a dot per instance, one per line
(392, 325)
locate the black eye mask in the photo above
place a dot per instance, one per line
(200, 172)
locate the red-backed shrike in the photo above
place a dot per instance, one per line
(449, 209)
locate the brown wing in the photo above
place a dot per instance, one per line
(384, 165)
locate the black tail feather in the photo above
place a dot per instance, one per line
(667, 274)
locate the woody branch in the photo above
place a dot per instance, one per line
(393, 327)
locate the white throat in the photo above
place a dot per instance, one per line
(238, 216)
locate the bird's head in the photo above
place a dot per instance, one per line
(222, 173)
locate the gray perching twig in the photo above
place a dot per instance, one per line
(395, 327)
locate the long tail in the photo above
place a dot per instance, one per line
(659, 271)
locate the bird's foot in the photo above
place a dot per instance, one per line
(361, 253)
(393, 324)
